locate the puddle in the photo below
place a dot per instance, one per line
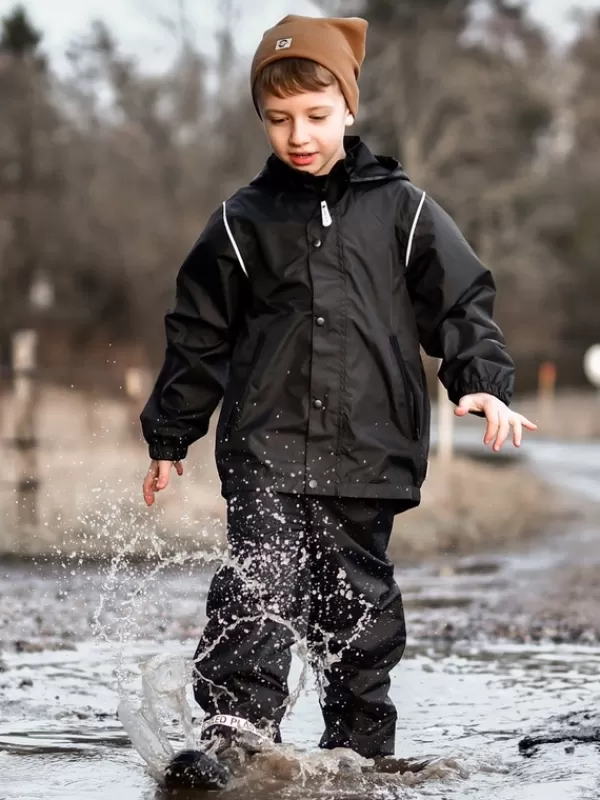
(466, 707)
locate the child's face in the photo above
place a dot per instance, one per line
(306, 130)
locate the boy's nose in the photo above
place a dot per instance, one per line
(299, 136)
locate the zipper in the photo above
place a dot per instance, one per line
(325, 214)
(238, 405)
(408, 390)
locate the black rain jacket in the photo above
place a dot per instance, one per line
(302, 306)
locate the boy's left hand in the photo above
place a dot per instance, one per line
(500, 419)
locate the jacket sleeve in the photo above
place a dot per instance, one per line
(453, 296)
(201, 331)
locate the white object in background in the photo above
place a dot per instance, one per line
(25, 397)
(591, 365)
(445, 445)
(135, 382)
(41, 292)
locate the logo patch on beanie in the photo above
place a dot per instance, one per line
(283, 44)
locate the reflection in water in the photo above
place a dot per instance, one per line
(465, 711)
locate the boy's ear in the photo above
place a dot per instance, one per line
(350, 120)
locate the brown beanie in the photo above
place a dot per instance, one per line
(337, 43)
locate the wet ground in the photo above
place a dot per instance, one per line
(501, 647)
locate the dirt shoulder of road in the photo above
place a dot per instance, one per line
(473, 505)
(570, 415)
(92, 464)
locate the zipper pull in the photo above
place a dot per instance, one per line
(325, 214)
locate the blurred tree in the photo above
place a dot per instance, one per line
(108, 175)
(584, 107)
(401, 13)
(577, 238)
(153, 155)
(241, 145)
(29, 182)
(18, 37)
(138, 155)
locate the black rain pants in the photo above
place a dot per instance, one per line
(312, 569)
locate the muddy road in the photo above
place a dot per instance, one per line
(501, 647)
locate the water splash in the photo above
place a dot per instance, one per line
(164, 683)
(161, 711)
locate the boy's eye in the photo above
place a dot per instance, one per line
(317, 119)
(277, 121)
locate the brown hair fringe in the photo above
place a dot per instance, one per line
(289, 76)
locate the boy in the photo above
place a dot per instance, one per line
(302, 306)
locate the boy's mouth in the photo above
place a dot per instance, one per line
(302, 159)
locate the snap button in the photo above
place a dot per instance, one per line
(313, 484)
(316, 243)
(317, 404)
(320, 322)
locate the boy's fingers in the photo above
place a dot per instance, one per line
(148, 486)
(526, 423)
(463, 407)
(492, 425)
(164, 467)
(517, 431)
(503, 431)
(157, 478)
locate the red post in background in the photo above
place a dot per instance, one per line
(546, 392)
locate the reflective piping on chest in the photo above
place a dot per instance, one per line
(232, 240)
(413, 229)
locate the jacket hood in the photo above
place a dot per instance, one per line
(359, 166)
(362, 165)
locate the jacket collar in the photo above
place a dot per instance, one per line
(363, 166)
(358, 166)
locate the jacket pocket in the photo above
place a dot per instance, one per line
(412, 398)
(239, 403)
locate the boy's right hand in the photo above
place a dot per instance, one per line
(157, 478)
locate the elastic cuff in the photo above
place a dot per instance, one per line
(159, 451)
(461, 390)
